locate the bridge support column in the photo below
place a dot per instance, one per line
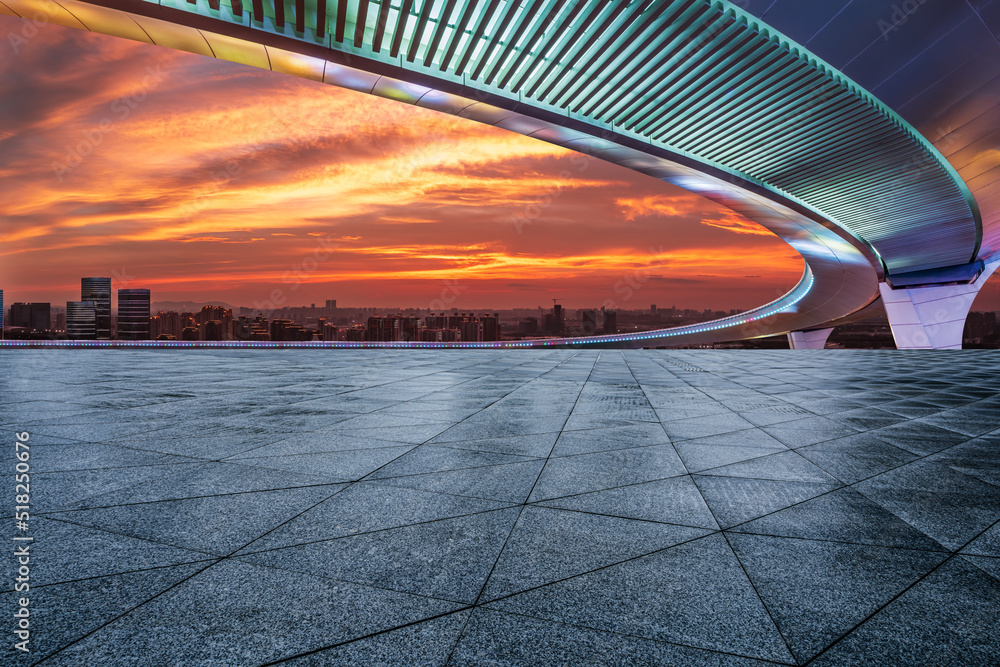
(933, 317)
(809, 340)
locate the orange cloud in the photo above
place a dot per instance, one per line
(225, 179)
(665, 205)
(737, 224)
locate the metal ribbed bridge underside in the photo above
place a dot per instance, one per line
(687, 91)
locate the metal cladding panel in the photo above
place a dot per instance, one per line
(936, 64)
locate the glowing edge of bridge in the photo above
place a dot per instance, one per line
(736, 320)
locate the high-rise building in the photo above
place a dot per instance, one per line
(222, 319)
(588, 322)
(81, 320)
(287, 330)
(331, 304)
(19, 316)
(98, 290)
(133, 314)
(491, 326)
(610, 322)
(1, 314)
(383, 329)
(471, 331)
(33, 316)
(436, 321)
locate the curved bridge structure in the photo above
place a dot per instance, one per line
(697, 93)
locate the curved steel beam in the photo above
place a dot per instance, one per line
(842, 268)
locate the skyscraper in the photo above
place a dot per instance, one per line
(1, 314)
(491, 326)
(98, 290)
(81, 320)
(133, 314)
(32, 316)
(588, 322)
(610, 322)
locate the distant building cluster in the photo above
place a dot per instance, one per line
(92, 318)
(216, 323)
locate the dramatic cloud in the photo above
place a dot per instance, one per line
(203, 180)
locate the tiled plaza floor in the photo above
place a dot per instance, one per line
(331, 507)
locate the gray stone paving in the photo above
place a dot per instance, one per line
(317, 507)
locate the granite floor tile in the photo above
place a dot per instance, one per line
(367, 507)
(603, 439)
(856, 457)
(495, 639)
(64, 490)
(245, 614)
(215, 525)
(430, 458)
(808, 431)
(818, 591)
(918, 438)
(447, 559)
(782, 466)
(204, 479)
(545, 546)
(93, 456)
(987, 564)
(533, 445)
(422, 644)
(62, 552)
(735, 500)
(699, 458)
(952, 617)
(703, 426)
(65, 613)
(341, 466)
(986, 544)
(843, 515)
(950, 507)
(694, 594)
(675, 500)
(603, 470)
(507, 482)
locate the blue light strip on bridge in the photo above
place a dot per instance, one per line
(746, 318)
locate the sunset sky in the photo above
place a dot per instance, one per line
(209, 181)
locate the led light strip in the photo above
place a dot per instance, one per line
(746, 318)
